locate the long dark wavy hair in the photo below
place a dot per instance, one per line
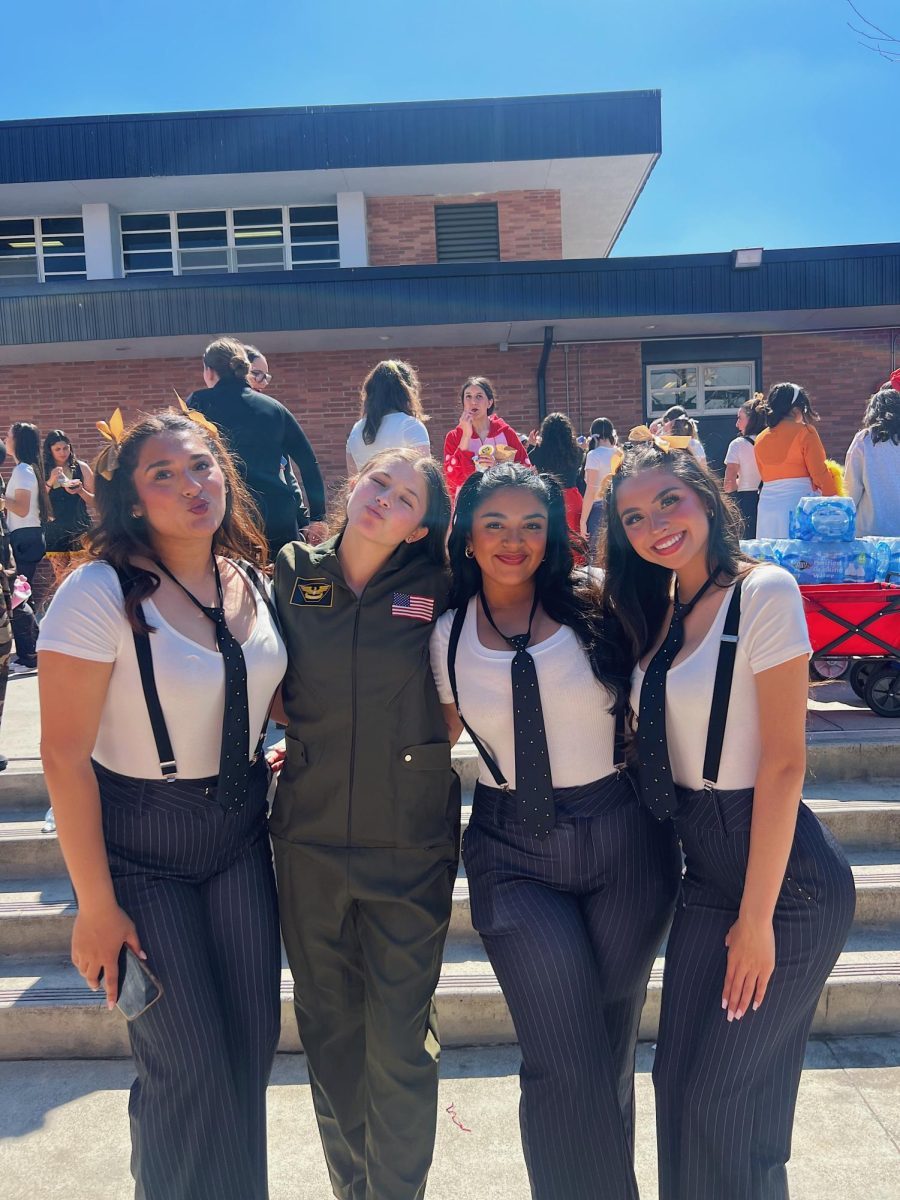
(54, 436)
(391, 386)
(882, 417)
(638, 592)
(559, 452)
(27, 442)
(568, 596)
(437, 509)
(118, 536)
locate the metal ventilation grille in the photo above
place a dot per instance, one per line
(467, 232)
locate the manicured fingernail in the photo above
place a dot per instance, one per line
(110, 1004)
(730, 1015)
(724, 1005)
(755, 1005)
(143, 955)
(739, 1014)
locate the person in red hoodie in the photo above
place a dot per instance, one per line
(472, 445)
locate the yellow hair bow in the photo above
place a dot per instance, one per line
(195, 416)
(112, 431)
(665, 442)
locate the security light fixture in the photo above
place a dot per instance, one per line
(745, 259)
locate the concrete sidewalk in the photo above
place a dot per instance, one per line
(65, 1136)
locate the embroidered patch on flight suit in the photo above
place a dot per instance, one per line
(316, 593)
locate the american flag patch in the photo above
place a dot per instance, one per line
(420, 608)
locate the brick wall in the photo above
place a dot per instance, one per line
(840, 371)
(587, 381)
(401, 228)
(322, 389)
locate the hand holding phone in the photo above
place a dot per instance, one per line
(138, 986)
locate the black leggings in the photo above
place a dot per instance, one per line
(198, 883)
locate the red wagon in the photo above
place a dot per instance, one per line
(854, 629)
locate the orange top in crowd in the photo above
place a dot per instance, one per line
(793, 451)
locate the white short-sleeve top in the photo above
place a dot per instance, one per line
(23, 478)
(397, 429)
(86, 619)
(772, 631)
(741, 452)
(580, 729)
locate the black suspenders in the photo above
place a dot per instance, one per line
(459, 618)
(721, 697)
(164, 751)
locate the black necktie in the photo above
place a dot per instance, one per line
(655, 770)
(234, 766)
(534, 787)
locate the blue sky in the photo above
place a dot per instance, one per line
(778, 128)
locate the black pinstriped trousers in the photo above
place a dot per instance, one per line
(725, 1092)
(199, 885)
(571, 924)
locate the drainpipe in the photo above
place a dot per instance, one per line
(542, 373)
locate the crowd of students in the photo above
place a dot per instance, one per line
(618, 716)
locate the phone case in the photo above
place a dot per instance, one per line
(138, 986)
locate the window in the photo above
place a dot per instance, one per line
(37, 249)
(230, 240)
(467, 232)
(701, 388)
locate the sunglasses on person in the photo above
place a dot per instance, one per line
(261, 376)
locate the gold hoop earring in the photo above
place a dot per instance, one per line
(470, 553)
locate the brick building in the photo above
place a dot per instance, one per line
(471, 237)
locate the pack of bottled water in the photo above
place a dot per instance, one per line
(892, 552)
(824, 519)
(862, 560)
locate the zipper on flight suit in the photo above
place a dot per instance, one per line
(353, 674)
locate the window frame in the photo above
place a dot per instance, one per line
(697, 365)
(38, 236)
(231, 247)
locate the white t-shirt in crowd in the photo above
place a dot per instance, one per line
(741, 452)
(22, 479)
(86, 619)
(696, 448)
(580, 731)
(772, 631)
(397, 429)
(600, 459)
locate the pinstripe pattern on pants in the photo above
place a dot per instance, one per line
(726, 1091)
(198, 883)
(571, 924)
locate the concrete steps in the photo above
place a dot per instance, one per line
(46, 1011)
(36, 915)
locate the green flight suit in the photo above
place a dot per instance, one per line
(365, 830)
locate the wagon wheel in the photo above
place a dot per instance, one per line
(883, 690)
(859, 675)
(835, 666)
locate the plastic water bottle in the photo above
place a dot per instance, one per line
(825, 519)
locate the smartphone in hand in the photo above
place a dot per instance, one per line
(138, 986)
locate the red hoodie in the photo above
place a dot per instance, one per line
(460, 464)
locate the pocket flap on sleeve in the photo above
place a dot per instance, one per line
(432, 756)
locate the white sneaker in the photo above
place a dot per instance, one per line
(17, 668)
(49, 825)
